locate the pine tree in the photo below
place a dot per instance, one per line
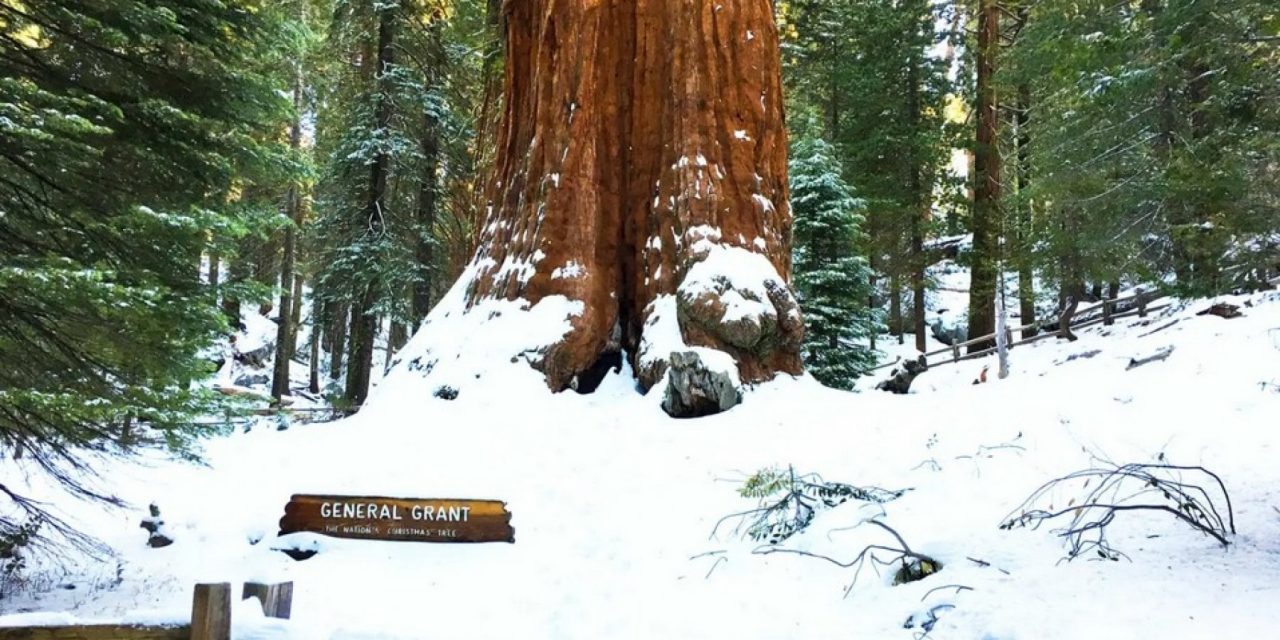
(1152, 141)
(366, 235)
(125, 130)
(832, 278)
(864, 73)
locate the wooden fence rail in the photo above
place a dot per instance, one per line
(1104, 312)
(210, 618)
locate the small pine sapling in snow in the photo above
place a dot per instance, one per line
(789, 502)
(832, 279)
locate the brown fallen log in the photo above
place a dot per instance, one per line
(1222, 310)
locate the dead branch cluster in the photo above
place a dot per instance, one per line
(911, 565)
(1192, 495)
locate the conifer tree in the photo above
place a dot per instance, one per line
(832, 278)
(126, 128)
(864, 73)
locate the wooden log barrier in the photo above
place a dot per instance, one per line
(96, 632)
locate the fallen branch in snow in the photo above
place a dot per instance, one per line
(984, 564)
(1222, 310)
(45, 529)
(801, 498)
(985, 451)
(957, 587)
(1084, 355)
(930, 618)
(932, 463)
(914, 566)
(927, 619)
(719, 556)
(1160, 356)
(1161, 327)
(1156, 488)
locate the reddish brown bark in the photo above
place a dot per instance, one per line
(633, 129)
(986, 182)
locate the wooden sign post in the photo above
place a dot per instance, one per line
(403, 519)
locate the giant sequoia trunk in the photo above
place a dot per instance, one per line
(642, 175)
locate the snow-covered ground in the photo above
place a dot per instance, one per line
(614, 505)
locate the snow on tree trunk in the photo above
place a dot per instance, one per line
(641, 188)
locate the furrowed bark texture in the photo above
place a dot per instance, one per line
(634, 130)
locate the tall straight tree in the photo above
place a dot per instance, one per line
(986, 181)
(364, 318)
(865, 72)
(286, 331)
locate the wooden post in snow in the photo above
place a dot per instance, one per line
(1002, 334)
(277, 597)
(211, 612)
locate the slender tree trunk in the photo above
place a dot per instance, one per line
(921, 193)
(986, 181)
(397, 335)
(296, 316)
(215, 269)
(426, 219)
(895, 307)
(918, 302)
(338, 342)
(1026, 215)
(641, 139)
(289, 297)
(237, 272)
(265, 267)
(364, 322)
(313, 378)
(363, 334)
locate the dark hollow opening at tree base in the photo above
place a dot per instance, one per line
(588, 381)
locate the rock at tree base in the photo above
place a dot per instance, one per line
(694, 390)
(901, 381)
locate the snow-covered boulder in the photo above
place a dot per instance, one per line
(695, 389)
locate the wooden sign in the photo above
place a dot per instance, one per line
(403, 519)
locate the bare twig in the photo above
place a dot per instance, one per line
(1123, 488)
(957, 587)
(713, 566)
(914, 566)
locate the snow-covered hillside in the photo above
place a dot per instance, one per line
(614, 505)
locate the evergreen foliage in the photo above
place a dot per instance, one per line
(861, 75)
(383, 263)
(832, 278)
(126, 130)
(1153, 145)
